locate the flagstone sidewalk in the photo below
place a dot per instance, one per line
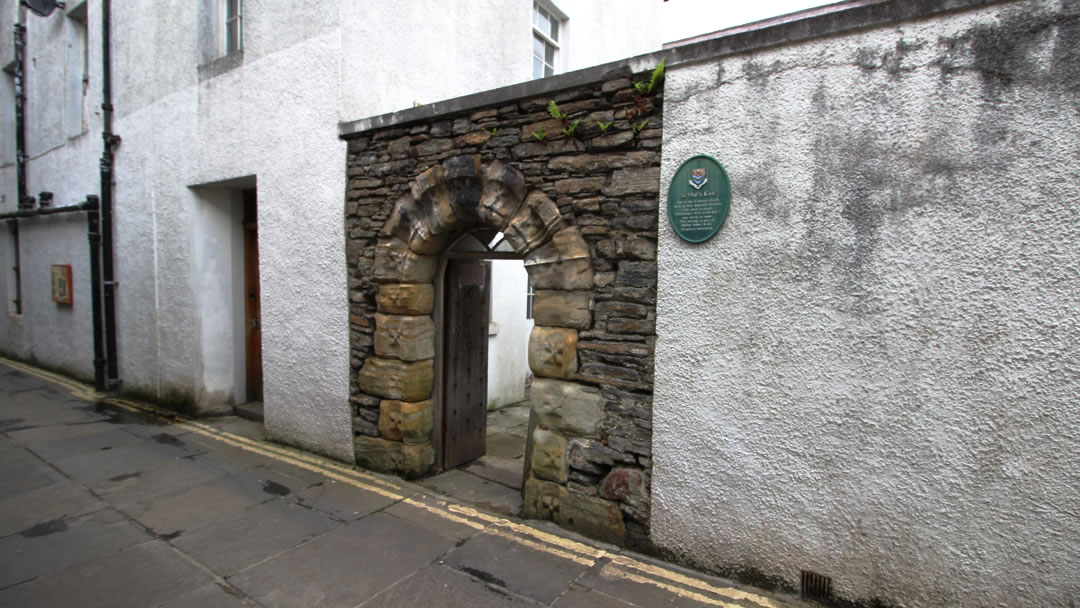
(116, 504)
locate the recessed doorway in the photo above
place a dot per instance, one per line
(483, 373)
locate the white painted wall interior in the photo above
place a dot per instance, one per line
(508, 356)
(871, 371)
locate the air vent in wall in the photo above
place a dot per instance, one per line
(815, 586)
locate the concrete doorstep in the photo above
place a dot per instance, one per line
(113, 503)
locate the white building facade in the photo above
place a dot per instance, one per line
(218, 102)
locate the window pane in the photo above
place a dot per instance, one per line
(554, 30)
(549, 71)
(549, 54)
(545, 23)
(538, 68)
(538, 46)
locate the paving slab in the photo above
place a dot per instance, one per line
(430, 513)
(520, 567)
(506, 445)
(507, 471)
(173, 513)
(446, 587)
(342, 501)
(144, 575)
(253, 535)
(477, 491)
(21, 471)
(53, 545)
(578, 596)
(112, 464)
(344, 567)
(58, 501)
(171, 477)
(106, 437)
(215, 595)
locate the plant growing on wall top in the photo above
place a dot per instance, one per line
(646, 87)
(569, 130)
(553, 109)
(539, 134)
(603, 125)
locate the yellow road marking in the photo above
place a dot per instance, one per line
(538, 540)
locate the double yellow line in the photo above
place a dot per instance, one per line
(619, 565)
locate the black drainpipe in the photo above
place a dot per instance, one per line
(109, 140)
(21, 201)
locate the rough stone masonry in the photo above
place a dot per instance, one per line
(578, 198)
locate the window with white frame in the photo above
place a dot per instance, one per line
(546, 25)
(234, 26)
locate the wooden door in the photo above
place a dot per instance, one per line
(252, 321)
(465, 362)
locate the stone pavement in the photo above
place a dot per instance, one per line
(115, 504)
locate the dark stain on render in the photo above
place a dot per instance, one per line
(890, 61)
(1005, 53)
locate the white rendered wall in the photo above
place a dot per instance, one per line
(272, 115)
(397, 54)
(508, 364)
(871, 371)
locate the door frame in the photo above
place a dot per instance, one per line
(438, 316)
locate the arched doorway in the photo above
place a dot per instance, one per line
(451, 199)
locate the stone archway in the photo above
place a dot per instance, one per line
(446, 200)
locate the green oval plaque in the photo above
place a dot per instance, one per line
(699, 199)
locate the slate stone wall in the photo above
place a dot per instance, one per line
(592, 451)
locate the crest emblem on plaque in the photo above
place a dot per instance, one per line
(697, 178)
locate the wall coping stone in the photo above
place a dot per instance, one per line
(817, 23)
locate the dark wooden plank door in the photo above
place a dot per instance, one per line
(253, 331)
(465, 362)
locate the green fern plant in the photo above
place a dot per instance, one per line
(492, 131)
(553, 109)
(603, 125)
(638, 127)
(539, 134)
(657, 75)
(569, 130)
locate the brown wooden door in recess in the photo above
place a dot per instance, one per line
(252, 321)
(465, 362)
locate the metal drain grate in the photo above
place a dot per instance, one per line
(815, 586)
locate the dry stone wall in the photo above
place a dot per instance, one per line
(584, 217)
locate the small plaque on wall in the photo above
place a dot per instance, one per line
(61, 283)
(699, 199)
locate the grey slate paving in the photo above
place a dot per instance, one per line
(62, 500)
(344, 567)
(439, 585)
(59, 543)
(253, 535)
(100, 506)
(477, 490)
(143, 575)
(534, 574)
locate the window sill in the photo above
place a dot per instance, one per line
(221, 65)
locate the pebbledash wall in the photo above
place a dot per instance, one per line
(871, 372)
(581, 209)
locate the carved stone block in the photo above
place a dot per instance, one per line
(394, 379)
(563, 308)
(396, 263)
(549, 456)
(410, 422)
(409, 338)
(407, 299)
(504, 189)
(534, 223)
(553, 352)
(568, 407)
